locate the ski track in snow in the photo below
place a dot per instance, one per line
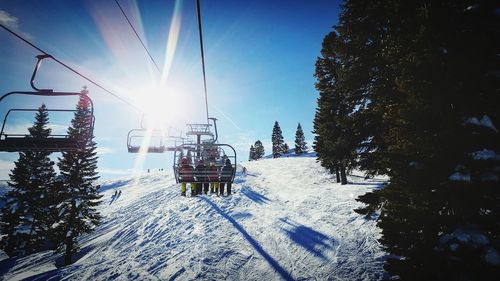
(286, 219)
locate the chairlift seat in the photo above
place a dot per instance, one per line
(141, 134)
(49, 144)
(52, 143)
(150, 149)
(206, 154)
(172, 148)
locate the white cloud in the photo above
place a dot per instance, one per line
(12, 22)
(6, 165)
(58, 129)
(9, 20)
(104, 150)
(22, 128)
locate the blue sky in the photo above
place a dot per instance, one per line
(260, 59)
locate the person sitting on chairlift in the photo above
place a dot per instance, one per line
(186, 176)
(225, 177)
(201, 178)
(213, 177)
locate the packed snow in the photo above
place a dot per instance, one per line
(485, 121)
(287, 219)
(486, 154)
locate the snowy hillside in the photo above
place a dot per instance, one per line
(287, 219)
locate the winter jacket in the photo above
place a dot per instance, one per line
(226, 173)
(200, 172)
(186, 173)
(213, 174)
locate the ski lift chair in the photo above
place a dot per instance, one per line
(208, 156)
(135, 146)
(15, 142)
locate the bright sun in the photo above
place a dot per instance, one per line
(161, 105)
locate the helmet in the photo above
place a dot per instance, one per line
(184, 161)
(200, 162)
(228, 162)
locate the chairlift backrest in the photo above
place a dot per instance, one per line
(136, 147)
(52, 143)
(15, 142)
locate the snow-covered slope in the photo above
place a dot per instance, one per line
(287, 219)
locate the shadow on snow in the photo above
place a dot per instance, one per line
(313, 241)
(272, 262)
(254, 196)
(117, 184)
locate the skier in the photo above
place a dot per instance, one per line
(225, 177)
(213, 177)
(201, 177)
(186, 176)
(244, 171)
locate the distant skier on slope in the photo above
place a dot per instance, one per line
(186, 176)
(225, 177)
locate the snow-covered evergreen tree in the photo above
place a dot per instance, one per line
(300, 141)
(24, 219)
(77, 212)
(259, 150)
(277, 140)
(251, 155)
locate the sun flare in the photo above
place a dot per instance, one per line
(161, 106)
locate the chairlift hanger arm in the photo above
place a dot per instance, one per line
(37, 66)
(215, 128)
(70, 68)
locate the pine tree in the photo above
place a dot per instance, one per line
(78, 214)
(420, 92)
(259, 150)
(24, 219)
(277, 140)
(300, 141)
(285, 148)
(251, 155)
(335, 144)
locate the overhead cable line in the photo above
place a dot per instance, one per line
(138, 37)
(202, 55)
(71, 69)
